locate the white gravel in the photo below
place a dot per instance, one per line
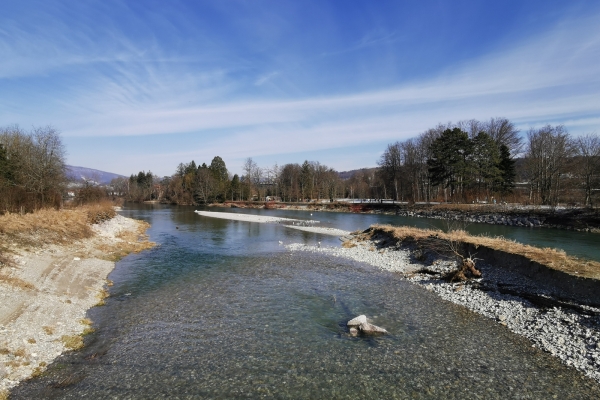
(253, 218)
(324, 231)
(571, 336)
(299, 224)
(111, 228)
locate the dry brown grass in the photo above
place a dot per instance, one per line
(88, 326)
(348, 244)
(99, 212)
(87, 331)
(39, 370)
(16, 282)
(20, 352)
(73, 342)
(552, 258)
(5, 261)
(31, 341)
(4, 394)
(49, 226)
(130, 242)
(46, 226)
(48, 330)
(101, 295)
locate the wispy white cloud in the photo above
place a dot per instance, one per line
(133, 90)
(551, 75)
(371, 39)
(265, 78)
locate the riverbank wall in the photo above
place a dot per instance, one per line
(550, 282)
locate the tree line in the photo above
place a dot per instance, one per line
(203, 184)
(32, 169)
(469, 161)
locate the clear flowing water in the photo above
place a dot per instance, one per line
(581, 244)
(220, 310)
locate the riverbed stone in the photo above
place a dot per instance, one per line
(358, 321)
(371, 329)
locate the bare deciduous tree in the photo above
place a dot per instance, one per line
(37, 163)
(503, 131)
(549, 150)
(587, 164)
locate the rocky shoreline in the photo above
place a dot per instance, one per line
(528, 220)
(44, 296)
(570, 333)
(577, 219)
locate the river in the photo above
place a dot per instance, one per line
(220, 309)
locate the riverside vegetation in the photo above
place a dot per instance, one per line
(467, 162)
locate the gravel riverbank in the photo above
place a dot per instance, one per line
(572, 335)
(44, 296)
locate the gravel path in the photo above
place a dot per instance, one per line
(571, 335)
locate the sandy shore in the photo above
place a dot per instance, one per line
(45, 295)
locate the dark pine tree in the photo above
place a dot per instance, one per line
(507, 170)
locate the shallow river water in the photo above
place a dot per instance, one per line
(221, 310)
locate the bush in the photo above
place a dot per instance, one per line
(100, 212)
(90, 195)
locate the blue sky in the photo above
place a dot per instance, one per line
(145, 85)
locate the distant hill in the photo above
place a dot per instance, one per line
(78, 174)
(349, 174)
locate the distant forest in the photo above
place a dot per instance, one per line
(470, 161)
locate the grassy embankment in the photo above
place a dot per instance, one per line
(552, 258)
(61, 227)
